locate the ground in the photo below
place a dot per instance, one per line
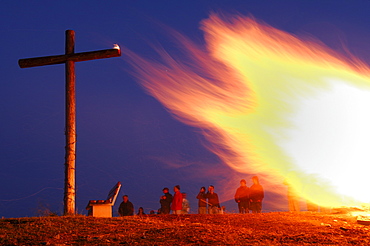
(283, 228)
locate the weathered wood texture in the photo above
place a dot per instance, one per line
(77, 57)
(70, 128)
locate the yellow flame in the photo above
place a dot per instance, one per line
(250, 90)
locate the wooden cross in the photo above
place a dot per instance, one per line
(69, 58)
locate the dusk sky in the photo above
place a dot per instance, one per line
(123, 133)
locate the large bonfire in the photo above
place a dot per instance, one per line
(271, 104)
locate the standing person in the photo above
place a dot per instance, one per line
(126, 208)
(293, 191)
(176, 205)
(293, 199)
(185, 204)
(202, 201)
(256, 195)
(213, 202)
(242, 197)
(165, 201)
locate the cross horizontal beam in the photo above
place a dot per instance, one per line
(75, 57)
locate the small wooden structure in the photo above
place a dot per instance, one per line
(103, 208)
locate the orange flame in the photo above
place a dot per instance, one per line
(246, 90)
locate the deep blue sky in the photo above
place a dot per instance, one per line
(123, 133)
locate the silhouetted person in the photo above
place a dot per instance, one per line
(242, 197)
(165, 201)
(140, 211)
(293, 197)
(256, 195)
(202, 201)
(213, 202)
(293, 200)
(126, 208)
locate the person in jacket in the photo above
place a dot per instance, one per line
(242, 197)
(213, 202)
(256, 195)
(126, 208)
(202, 201)
(165, 201)
(176, 205)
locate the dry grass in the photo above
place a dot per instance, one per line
(230, 229)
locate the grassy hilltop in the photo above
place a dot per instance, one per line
(281, 228)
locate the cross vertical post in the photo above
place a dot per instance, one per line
(69, 59)
(70, 128)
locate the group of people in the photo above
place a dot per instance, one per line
(247, 198)
(209, 199)
(177, 203)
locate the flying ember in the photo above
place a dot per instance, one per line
(271, 104)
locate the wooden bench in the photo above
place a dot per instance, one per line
(103, 208)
